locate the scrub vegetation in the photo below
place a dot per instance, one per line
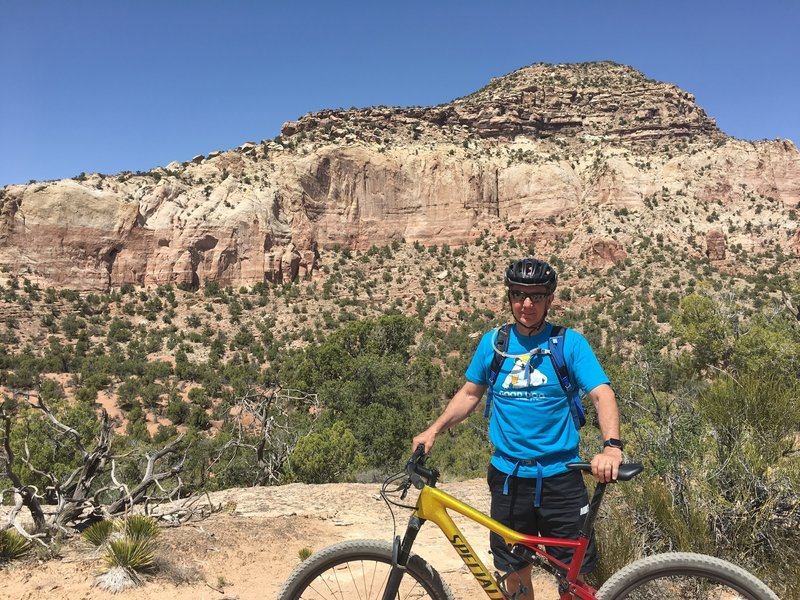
(146, 397)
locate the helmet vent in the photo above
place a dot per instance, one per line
(532, 271)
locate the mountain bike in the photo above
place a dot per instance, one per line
(374, 569)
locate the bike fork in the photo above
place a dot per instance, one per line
(400, 553)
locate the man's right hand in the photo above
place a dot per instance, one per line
(427, 438)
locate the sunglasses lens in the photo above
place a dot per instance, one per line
(519, 295)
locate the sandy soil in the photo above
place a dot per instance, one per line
(247, 550)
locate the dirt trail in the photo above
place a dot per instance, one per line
(247, 550)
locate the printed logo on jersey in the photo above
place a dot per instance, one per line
(522, 376)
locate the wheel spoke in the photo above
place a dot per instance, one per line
(360, 570)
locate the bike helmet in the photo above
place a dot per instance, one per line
(532, 271)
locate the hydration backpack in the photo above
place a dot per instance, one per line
(555, 350)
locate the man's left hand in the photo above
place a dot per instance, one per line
(605, 465)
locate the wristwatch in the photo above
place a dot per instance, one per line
(613, 443)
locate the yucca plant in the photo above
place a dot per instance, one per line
(99, 533)
(126, 558)
(140, 527)
(118, 579)
(130, 555)
(13, 545)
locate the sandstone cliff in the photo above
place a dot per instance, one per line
(592, 156)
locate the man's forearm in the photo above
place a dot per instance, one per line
(605, 404)
(458, 409)
(605, 464)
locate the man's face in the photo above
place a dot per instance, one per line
(529, 303)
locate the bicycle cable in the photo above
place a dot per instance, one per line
(390, 486)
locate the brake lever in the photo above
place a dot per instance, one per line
(404, 487)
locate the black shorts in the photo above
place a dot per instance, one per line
(563, 506)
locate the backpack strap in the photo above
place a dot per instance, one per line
(556, 346)
(500, 345)
(556, 351)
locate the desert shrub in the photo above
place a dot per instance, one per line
(129, 556)
(327, 455)
(13, 546)
(98, 533)
(198, 418)
(177, 411)
(120, 330)
(140, 527)
(717, 440)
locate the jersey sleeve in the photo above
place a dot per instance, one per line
(478, 370)
(583, 364)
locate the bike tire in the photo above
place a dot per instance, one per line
(683, 575)
(357, 570)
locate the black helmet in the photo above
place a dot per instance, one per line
(532, 271)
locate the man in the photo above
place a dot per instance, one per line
(531, 425)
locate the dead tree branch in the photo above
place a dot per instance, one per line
(26, 494)
(77, 495)
(262, 428)
(139, 493)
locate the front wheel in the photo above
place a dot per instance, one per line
(358, 570)
(686, 576)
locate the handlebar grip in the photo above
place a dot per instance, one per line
(419, 452)
(417, 459)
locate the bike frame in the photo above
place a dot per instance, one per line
(433, 504)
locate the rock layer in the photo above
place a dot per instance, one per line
(592, 157)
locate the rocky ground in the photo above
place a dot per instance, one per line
(246, 550)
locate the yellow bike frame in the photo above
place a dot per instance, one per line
(433, 504)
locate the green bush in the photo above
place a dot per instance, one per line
(718, 442)
(325, 456)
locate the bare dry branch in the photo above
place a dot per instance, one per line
(27, 494)
(261, 428)
(139, 492)
(787, 301)
(74, 497)
(40, 404)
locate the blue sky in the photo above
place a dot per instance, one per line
(112, 85)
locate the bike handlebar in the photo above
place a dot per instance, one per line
(419, 474)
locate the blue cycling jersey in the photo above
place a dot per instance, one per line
(531, 421)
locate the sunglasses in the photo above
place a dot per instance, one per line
(520, 296)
